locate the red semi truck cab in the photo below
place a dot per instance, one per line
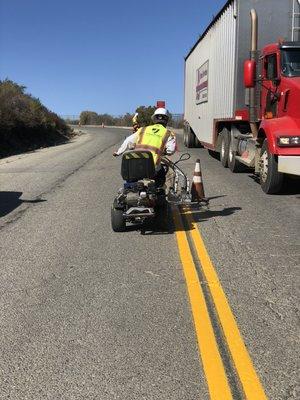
(280, 102)
(272, 144)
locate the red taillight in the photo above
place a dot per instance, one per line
(249, 73)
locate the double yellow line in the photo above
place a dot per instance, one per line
(213, 365)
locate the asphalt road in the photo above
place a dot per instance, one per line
(86, 313)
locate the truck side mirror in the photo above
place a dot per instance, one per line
(249, 73)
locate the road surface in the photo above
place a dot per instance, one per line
(86, 313)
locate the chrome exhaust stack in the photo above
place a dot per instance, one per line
(253, 56)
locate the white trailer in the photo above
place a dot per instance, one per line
(214, 89)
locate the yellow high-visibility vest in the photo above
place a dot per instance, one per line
(154, 139)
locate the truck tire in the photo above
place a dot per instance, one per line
(185, 137)
(190, 139)
(225, 144)
(270, 179)
(118, 222)
(233, 164)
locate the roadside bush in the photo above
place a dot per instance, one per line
(144, 118)
(89, 118)
(145, 114)
(92, 118)
(25, 123)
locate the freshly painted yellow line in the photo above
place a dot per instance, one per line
(211, 359)
(250, 382)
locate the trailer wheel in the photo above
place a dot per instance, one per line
(233, 164)
(225, 144)
(190, 139)
(270, 179)
(118, 222)
(185, 137)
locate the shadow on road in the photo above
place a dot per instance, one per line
(163, 224)
(203, 214)
(9, 201)
(216, 197)
(291, 185)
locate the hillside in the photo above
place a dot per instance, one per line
(25, 123)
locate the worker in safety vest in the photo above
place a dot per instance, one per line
(155, 138)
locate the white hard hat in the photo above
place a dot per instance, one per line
(160, 111)
(160, 116)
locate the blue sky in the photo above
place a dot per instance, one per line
(104, 56)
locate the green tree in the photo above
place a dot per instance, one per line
(145, 114)
(106, 119)
(126, 120)
(89, 118)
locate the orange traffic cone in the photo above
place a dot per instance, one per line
(197, 189)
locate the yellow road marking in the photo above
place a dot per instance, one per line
(211, 359)
(249, 379)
